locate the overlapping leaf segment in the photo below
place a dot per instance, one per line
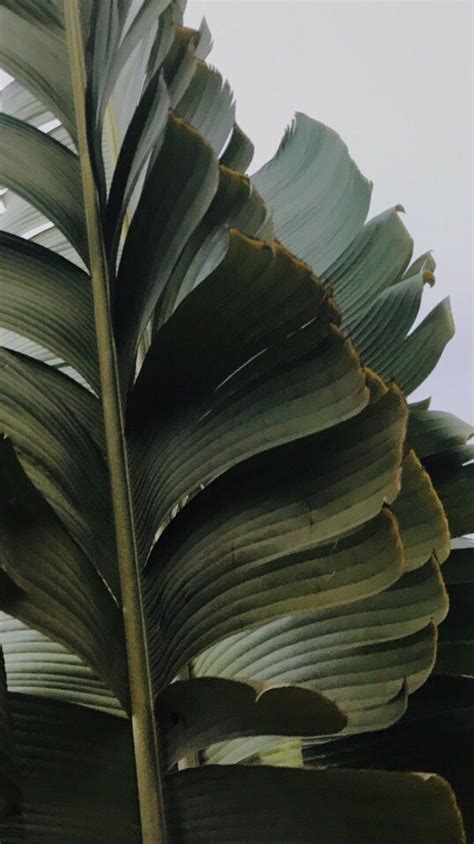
(289, 537)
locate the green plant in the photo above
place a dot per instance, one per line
(216, 530)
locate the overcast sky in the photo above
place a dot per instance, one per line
(395, 80)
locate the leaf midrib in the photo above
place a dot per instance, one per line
(144, 729)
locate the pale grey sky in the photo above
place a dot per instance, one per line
(395, 80)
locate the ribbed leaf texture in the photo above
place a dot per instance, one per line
(286, 516)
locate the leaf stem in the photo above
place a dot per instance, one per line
(149, 779)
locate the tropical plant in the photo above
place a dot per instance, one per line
(220, 549)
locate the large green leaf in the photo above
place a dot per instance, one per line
(317, 195)
(49, 584)
(180, 63)
(456, 646)
(319, 201)
(316, 490)
(146, 18)
(220, 393)
(332, 807)
(380, 331)
(9, 792)
(433, 735)
(372, 262)
(46, 174)
(87, 794)
(290, 534)
(37, 665)
(44, 12)
(204, 710)
(455, 487)
(208, 105)
(49, 299)
(178, 192)
(76, 769)
(50, 420)
(431, 432)
(236, 205)
(239, 151)
(421, 518)
(20, 103)
(407, 606)
(423, 348)
(52, 239)
(37, 56)
(262, 295)
(445, 707)
(147, 37)
(19, 217)
(148, 123)
(358, 654)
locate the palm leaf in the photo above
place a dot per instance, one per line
(37, 665)
(254, 806)
(363, 265)
(10, 795)
(51, 181)
(210, 484)
(432, 735)
(437, 725)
